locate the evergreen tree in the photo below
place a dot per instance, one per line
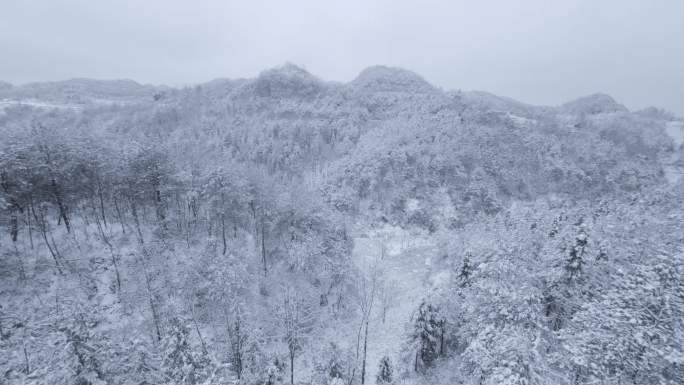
(331, 366)
(180, 361)
(83, 346)
(385, 371)
(577, 251)
(466, 271)
(554, 310)
(427, 335)
(238, 345)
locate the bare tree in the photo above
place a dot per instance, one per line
(388, 292)
(151, 296)
(368, 293)
(238, 340)
(296, 316)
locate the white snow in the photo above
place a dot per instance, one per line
(676, 131)
(412, 205)
(5, 103)
(674, 172)
(521, 121)
(407, 262)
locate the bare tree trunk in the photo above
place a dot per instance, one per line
(160, 209)
(43, 231)
(54, 245)
(116, 270)
(102, 209)
(153, 308)
(134, 212)
(194, 207)
(180, 213)
(27, 367)
(118, 214)
(252, 207)
(263, 246)
(199, 334)
(356, 359)
(111, 251)
(367, 307)
(22, 271)
(351, 377)
(441, 338)
(236, 344)
(365, 349)
(291, 367)
(223, 232)
(60, 204)
(86, 221)
(28, 222)
(14, 207)
(14, 224)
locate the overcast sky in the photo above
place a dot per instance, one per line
(536, 51)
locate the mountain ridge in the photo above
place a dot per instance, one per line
(378, 78)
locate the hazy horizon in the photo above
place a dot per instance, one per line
(534, 52)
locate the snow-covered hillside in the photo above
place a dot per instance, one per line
(288, 229)
(676, 131)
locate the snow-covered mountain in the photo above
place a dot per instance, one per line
(291, 229)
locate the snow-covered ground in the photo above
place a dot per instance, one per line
(521, 121)
(674, 172)
(5, 103)
(406, 266)
(41, 104)
(676, 131)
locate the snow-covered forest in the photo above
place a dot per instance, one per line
(290, 230)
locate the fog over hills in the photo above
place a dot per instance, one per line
(288, 229)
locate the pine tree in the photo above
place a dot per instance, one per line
(384, 371)
(576, 260)
(554, 310)
(427, 334)
(238, 345)
(466, 271)
(86, 366)
(180, 362)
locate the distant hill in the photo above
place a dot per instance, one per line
(593, 104)
(81, 91)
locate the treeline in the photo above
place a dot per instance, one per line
(48, 178)
(160, 271)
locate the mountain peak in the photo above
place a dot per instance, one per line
(593, 104)
(383, 78)
(287, 81)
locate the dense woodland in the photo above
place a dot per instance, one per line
(289, 230)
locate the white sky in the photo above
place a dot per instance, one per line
(536, 51)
